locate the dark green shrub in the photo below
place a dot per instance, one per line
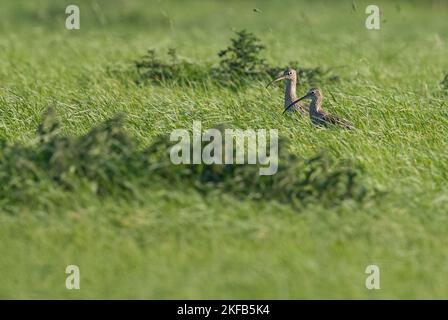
(176, 71)
(298, 181)
(241, 61)
(240, 65)
(444, 83)
(110, 162)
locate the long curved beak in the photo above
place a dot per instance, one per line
(288, 107)
(275, 80)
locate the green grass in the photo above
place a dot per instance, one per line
(172, 242)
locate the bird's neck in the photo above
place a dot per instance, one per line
(290, 92)
(316, 104)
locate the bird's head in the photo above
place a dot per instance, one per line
(313, 93)
(288, 74)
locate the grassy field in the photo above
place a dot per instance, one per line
(169, 241)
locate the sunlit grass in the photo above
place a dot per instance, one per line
(175, 243)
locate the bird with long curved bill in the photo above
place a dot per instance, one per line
(318, 116)
(290, 90)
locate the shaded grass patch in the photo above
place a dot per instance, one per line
(110, 162)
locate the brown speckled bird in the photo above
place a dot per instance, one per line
(318, 116)
(290, 75)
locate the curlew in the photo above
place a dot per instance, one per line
(290, 90)
(318, 116)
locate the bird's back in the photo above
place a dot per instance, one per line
(324, 118)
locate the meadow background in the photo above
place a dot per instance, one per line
(169, 241)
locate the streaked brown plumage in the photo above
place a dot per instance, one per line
(318, 116)
(290, 90)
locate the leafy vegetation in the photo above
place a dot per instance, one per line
(240, 64)
(176, 71)
(108, 160)
(444, 82)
